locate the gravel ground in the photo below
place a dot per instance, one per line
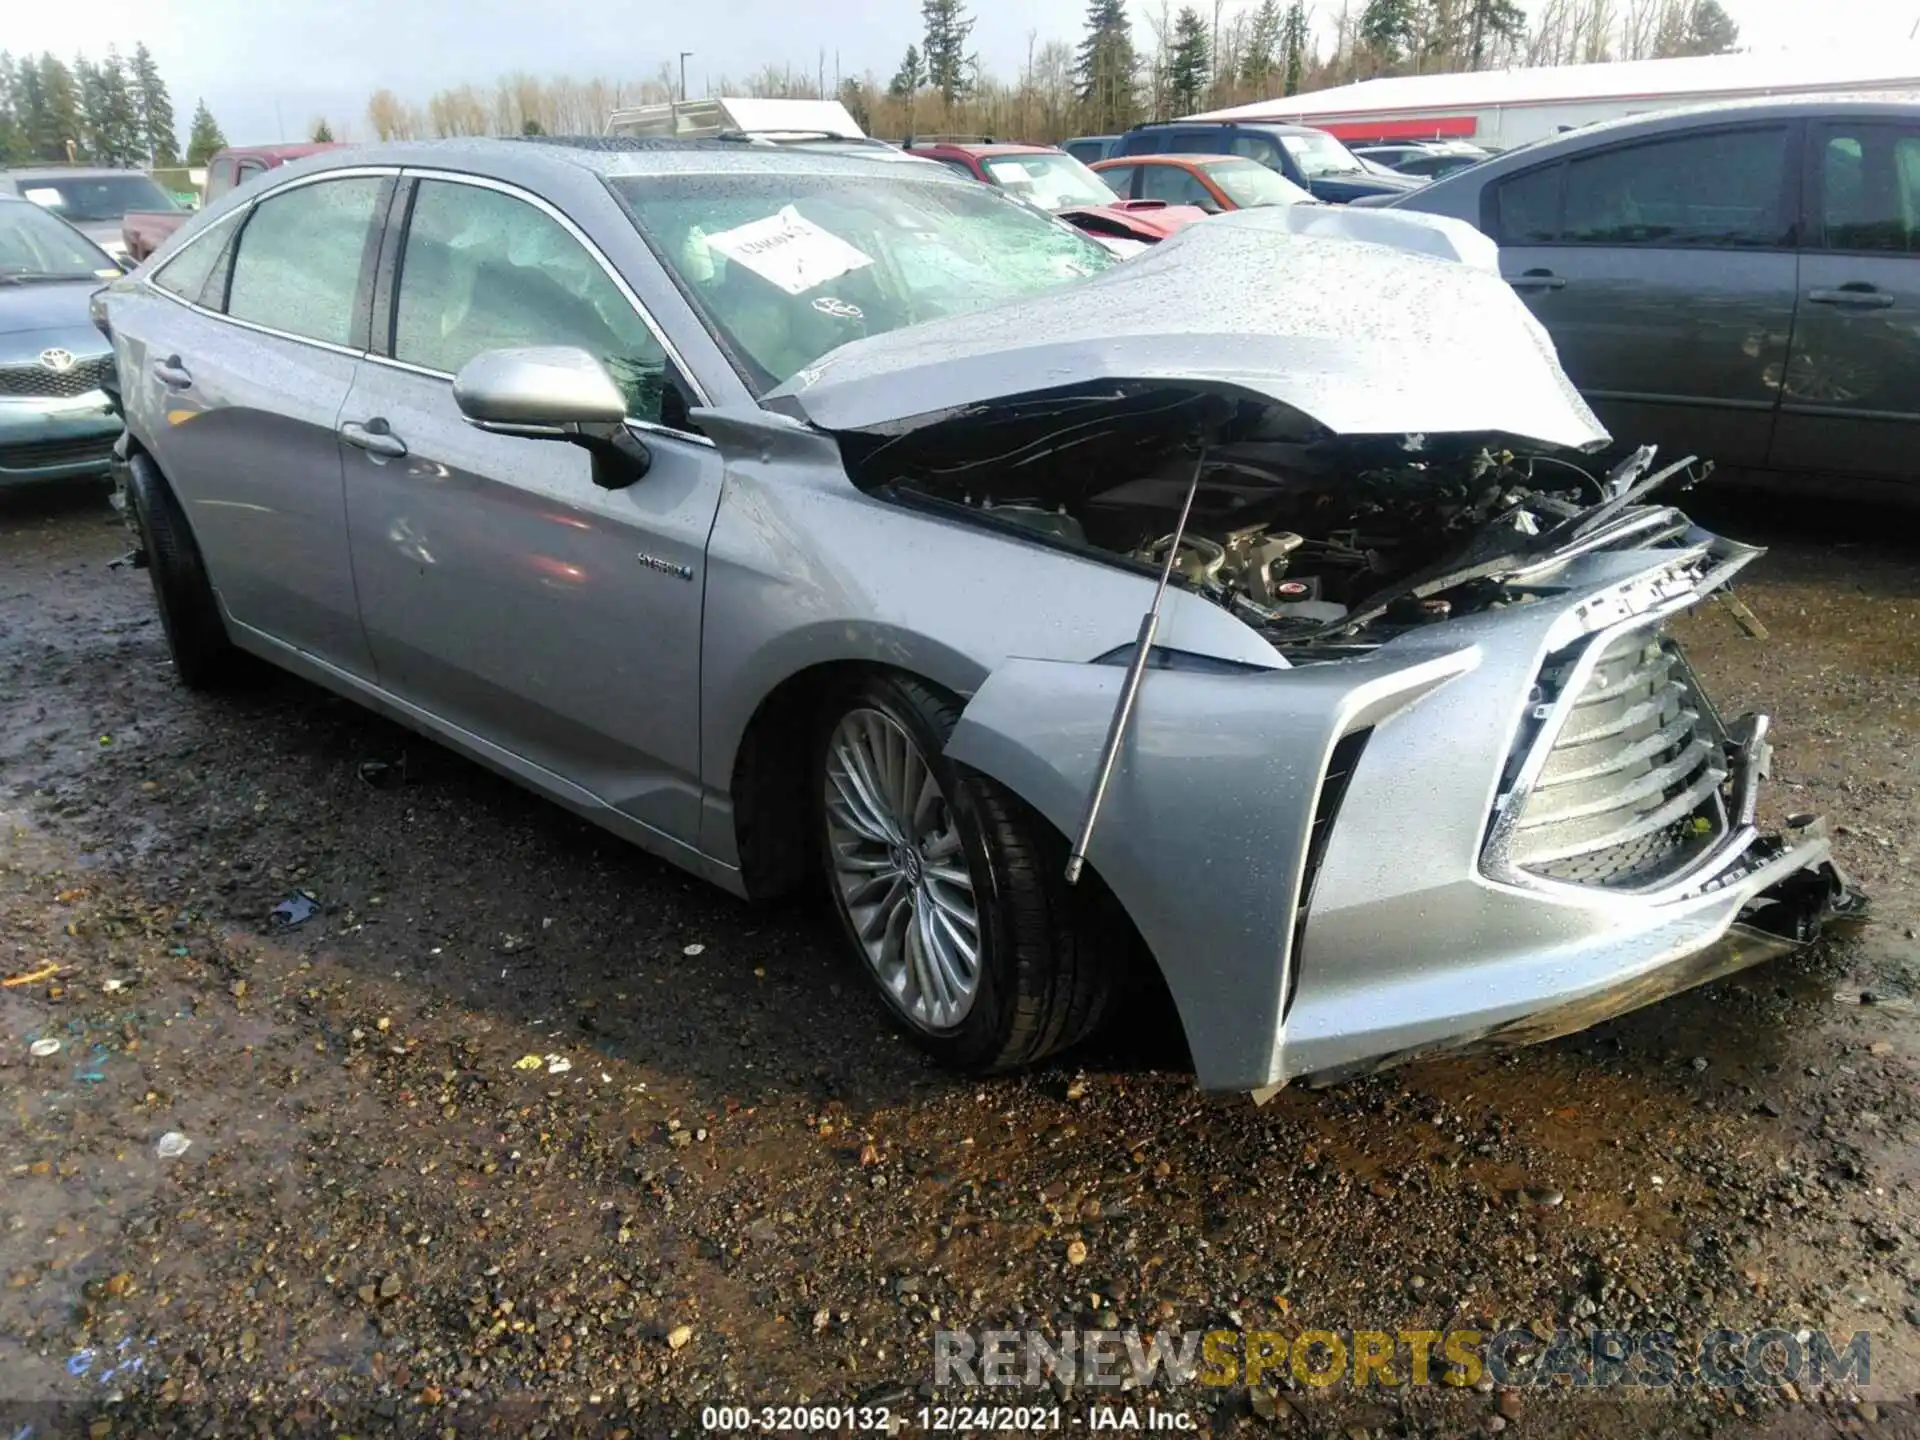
(524, 1132)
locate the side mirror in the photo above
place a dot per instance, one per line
(554, 392)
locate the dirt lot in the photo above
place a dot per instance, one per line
(720, 1178)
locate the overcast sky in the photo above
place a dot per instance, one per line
(267, 67)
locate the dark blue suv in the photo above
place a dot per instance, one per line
(1311, 159)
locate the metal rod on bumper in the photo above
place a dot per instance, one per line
(1130, 690)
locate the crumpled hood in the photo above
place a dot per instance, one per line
(1362, 338)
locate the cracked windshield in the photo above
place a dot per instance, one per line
(789, 268)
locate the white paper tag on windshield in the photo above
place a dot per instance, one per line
(790, 251)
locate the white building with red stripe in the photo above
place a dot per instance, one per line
(1503, 108)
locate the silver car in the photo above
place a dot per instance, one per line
(812, 515)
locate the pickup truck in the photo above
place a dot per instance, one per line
(144, 231)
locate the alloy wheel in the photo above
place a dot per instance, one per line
(899, 869)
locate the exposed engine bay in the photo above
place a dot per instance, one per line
(1336, 543)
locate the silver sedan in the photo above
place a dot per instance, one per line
(1253, 610)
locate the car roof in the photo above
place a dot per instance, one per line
(1284, 127)
(620, 156)
(67, 172)
(1690, 117)
(1201, 159)
(993, 147)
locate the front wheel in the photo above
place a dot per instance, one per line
(949, 888)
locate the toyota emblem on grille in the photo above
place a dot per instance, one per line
(57, 360)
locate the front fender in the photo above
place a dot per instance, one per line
(1204, 834)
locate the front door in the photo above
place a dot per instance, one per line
(1663, 271)
(1850, 401)
(500, 588)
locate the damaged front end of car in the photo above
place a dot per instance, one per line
(1477, 797)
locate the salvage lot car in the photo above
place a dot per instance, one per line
(795, 513)
(57, 420)
(1741, 278)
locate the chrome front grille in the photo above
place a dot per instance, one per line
(32, 380)
(1628, 791)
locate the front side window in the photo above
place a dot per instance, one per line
(1248, 183)
(486, 271)
(1869, 188)
(1176, 185)
(299, 260)
(34, 246)
(81, 199)
(1053, 182)
(1721, 189)
(784, 268)
(219, 179)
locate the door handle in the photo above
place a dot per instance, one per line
(171, 373)
(1853, 297)
(375, 437)
(1538, 280)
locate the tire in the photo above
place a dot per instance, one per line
(203, 656)
(1042, 972)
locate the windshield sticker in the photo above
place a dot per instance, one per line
(43, 195)
(839, 309)
(790, 251)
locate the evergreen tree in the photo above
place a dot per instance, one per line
(1710, 30)
(1264, 45)
(13, 138)
(1107, 67)
(205, 137)
(948, 63)
(116, 127)
(322, 132)
(1190, 64)
(155, 109)
(1390, 27)
(57, 118)
(908, 79)
(92, 104)
(531, 126)
(853, 95)
(1488, 21)
(1294, 39)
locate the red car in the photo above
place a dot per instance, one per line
(1054, 180)
(144, 231)
(1212, 182)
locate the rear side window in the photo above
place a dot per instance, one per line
(1869, 188)
(186, 274)
(1120, 177)
(486, 271)
(300, 257)
(1087, 152)
(1722, 190)
(219, 178)
(1263, 148)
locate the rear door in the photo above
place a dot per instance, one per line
(1664, 270)
(500, 588)
(239, 392)
(1851, 397)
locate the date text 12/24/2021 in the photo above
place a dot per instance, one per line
(938, 1419)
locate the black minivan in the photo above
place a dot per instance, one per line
(1311, 159)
